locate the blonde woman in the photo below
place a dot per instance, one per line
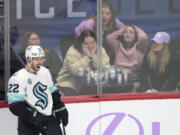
(159, 70)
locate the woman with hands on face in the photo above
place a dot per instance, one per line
(89, 47)
(82, 54)
(129, 45)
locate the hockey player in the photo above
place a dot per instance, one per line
(33, 97)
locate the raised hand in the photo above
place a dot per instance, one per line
(86, 50)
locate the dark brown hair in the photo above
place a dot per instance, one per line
(26, 38)
(122, 37)
(79, 41)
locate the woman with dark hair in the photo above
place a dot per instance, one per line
(82, 54)
(81, 39)
(109, 24)
(159, 70)
(129, 45)
(52, 60)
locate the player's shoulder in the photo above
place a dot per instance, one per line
(44, 70)
(19, 75)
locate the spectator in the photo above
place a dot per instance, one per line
(81, 54)
(109, 24)
(129, 45)
(159, 71)
(52, 61)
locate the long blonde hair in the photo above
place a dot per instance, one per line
(157, 61)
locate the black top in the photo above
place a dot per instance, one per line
(166, 81)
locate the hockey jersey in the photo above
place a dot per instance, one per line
(34, 89)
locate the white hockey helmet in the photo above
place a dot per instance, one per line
(34, 51)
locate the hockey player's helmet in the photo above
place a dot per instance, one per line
(34, 51)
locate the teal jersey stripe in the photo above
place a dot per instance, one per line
(13, 98)
(53, 88)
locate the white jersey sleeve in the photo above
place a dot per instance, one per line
(16, 88)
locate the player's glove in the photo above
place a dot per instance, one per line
(39, 120)
(59, 110)
(61, 113)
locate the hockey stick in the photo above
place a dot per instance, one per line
(63, 128)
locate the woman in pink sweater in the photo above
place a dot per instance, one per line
(129, 45)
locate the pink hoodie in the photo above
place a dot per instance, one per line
(132, 57)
